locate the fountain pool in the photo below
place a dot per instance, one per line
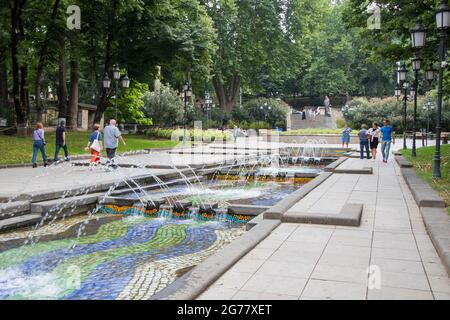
(134, 251)
(109, 257)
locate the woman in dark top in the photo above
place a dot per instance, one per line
(39, 144)
(374, 134)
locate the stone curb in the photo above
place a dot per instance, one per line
(86, 157)
(402, 162)
(246, 210)
(350, 215)
(14, 208)
(277, 211)
(437, 223)
(195, 282)
(423, 194)
(332, 166)
(434, 215)
(365, 170)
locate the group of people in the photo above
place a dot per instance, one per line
(369, 139)
(110, 138)
(39, 143)
(310, 113)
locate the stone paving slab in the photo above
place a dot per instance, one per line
(391, 240)
(349, 215)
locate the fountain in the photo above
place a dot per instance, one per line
(140, 230)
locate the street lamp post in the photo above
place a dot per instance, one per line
(116, 77)
(429, 74)
(416, 66)
(442, 23)
(402, 75)
(186, 93)
(405, 102)
(208, 102)
(427, 107)
(265, 109)
(417, 42)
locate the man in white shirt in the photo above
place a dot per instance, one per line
(111, 136)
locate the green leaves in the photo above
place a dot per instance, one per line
(164, 106)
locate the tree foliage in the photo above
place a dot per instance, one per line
(164, 107)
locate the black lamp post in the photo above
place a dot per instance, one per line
(116, 77)
(427, 107)
(429, 73)
(442, 23)
(417, 42)
(187, 93)
(402, 75)
(265, 110)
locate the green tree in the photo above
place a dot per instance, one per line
(130, 105)
(164, 106)
(251, 41)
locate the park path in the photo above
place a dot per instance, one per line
(300, 261)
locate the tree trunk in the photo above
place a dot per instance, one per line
(73, 103)
(42, 61)
(227, 96)
(16, 11)
(24, 90)
(62, 86)
(4, 102)
(104, 95)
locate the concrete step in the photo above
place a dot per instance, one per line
(20, 221)
(14, 209)
(65, 206)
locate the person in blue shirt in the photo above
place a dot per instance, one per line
(346, 136)
(95, 145)
(387, 137)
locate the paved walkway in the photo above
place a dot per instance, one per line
(299, 261)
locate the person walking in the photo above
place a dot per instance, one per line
(387, 138)
(39, 145)
(112, 135)
(95, 145)
(346, 136)
(364, 141)
(374, 134)
(61, 142)
(236, 132)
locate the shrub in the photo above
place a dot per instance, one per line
(198, 135)
(262, 113)
(362, 111)
(164, 107)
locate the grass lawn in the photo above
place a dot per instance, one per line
(17, 150)
(424, 166)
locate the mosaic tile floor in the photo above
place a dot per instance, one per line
(129, 258)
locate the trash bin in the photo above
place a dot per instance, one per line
(445, 139)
